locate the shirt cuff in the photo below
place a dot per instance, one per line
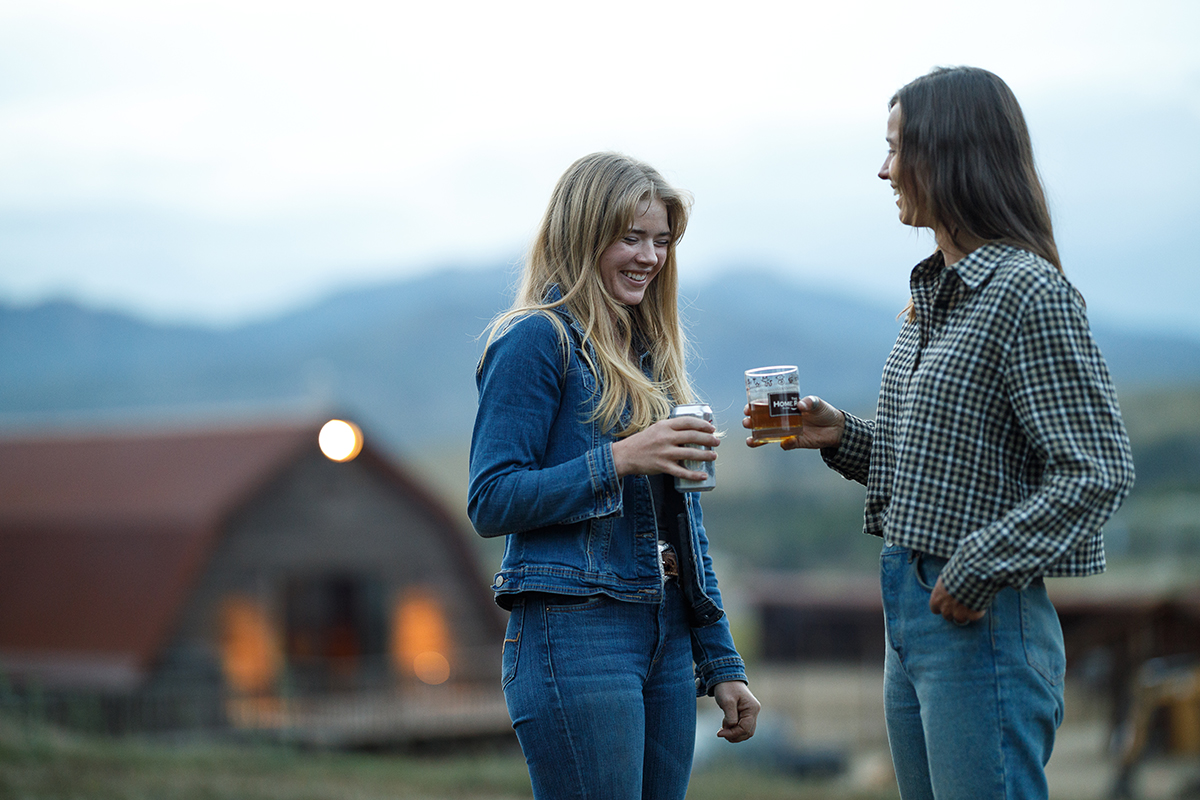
(972, 591)
(852, 455)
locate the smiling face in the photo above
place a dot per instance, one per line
(910, 213)
(629, 264)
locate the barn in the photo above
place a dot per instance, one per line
(235, 577)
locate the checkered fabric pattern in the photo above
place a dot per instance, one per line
(997, 442)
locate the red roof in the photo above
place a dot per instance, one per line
(103, 536)
(175, 479)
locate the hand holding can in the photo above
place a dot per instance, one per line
(708, 467)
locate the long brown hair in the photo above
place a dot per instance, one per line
(592, 206)
(966, 159)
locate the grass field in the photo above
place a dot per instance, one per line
(37, 763)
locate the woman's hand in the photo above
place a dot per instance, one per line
(741, 710)
(661, 447)
(942, 602)
(822, 426)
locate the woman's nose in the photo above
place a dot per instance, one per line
(646, 253)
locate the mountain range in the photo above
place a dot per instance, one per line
(400, 356)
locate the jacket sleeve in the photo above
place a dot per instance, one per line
(715, 655)
(512, 487)
(1064, 402)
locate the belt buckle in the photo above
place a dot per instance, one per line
(668, 560)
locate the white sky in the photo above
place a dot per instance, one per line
(223, 161)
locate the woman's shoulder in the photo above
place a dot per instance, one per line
(1035, 293)
(1028, 274)
(531, 340)
(532, 325)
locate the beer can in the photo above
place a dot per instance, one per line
(708, 467)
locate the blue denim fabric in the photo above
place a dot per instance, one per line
(971, 710)
(542, 475)
(600, 696)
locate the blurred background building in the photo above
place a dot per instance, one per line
(238, 577)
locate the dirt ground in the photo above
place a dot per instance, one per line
(842, 707)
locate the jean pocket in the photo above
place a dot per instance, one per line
(928, 568)
(512, 644)
(566, 602)
(1041, 634)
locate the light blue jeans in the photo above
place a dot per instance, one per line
(602, 695)
(971, 710)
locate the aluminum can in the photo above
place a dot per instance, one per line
(708, 467)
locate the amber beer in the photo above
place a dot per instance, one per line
(774, 397)
(777, 426)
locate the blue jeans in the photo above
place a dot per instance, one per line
(971, 710)
(602, 695)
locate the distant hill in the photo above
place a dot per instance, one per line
(401, 356)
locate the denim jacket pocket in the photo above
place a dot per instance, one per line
(512, 644)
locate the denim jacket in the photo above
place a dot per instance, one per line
(543, 476)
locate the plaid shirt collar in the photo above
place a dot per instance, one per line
(936, 285)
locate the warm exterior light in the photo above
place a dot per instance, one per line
(250, 652)
(421, 641)
(340, 440)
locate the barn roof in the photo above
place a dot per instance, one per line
(176, 479)
(103, 535)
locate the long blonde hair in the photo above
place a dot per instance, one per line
(592, 206)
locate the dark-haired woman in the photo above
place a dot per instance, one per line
(996, 454)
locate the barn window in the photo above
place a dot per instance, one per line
(250, 653)
(334, 631)
(420, 637)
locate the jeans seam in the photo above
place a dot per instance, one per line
(1002, 735)
(560, 710)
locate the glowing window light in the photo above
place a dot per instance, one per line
(420, 639)
(340, 440)
(250, 652)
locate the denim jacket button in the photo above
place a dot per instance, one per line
(498, 582)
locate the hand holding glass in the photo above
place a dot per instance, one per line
(774, 397)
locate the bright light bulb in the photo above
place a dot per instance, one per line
(340, 440)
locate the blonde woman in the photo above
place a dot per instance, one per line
(616, 622)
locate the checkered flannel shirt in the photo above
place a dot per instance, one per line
(997, 442)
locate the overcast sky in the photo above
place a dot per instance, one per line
(220, 162)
